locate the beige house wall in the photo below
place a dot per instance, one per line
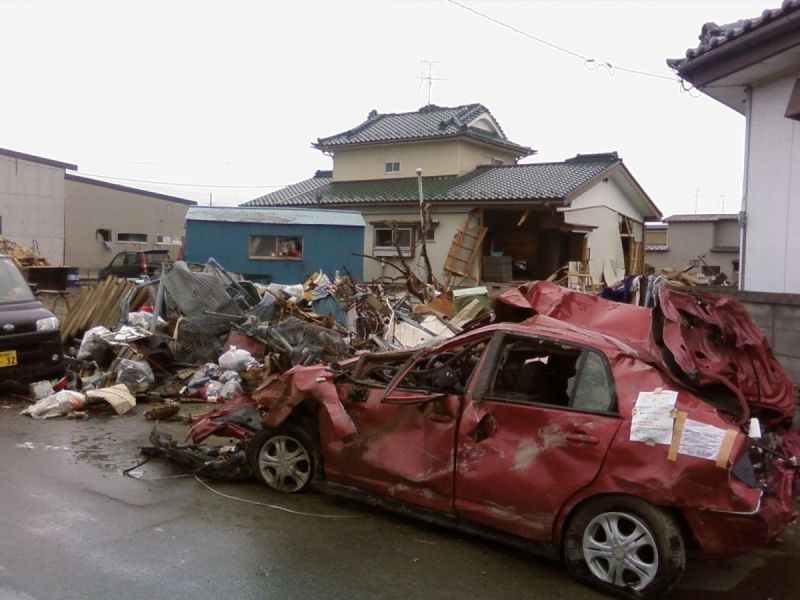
(91, 207)
(687, 241)
(32, 206)
(447, 220)
(603, 242)
(435, 158)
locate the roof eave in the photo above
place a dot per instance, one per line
(741, 52)
(520, 151)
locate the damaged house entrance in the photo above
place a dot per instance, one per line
(530, 244)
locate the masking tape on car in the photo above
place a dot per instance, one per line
(677, 433)
(726, 448)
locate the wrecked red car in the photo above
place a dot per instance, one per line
(610, 435)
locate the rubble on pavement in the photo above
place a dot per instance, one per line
(200, 334)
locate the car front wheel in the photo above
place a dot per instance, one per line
(625, 546)
(285, 459)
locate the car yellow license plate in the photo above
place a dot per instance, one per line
(8, 358)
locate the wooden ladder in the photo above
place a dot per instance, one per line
(465, 247)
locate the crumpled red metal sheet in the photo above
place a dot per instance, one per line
(711, 338)
(281, 394)
(207, 424)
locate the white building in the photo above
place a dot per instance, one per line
(32, 193)
(753, 67)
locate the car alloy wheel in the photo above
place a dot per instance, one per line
(286, 459)
(620, 549)
(625, 546)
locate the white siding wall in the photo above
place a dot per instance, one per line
(608, 193)
(32, 206)
(449, 220)
(772, 260)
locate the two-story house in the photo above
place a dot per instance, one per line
(709, 240)
(492, 219)
(753, 67)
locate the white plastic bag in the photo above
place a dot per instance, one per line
(91, 341)
(135, 374)
(230, 390)
(236, 359)
(56, 405)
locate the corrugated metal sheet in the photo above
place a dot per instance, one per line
(275, 216)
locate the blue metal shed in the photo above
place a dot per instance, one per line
(283, 245)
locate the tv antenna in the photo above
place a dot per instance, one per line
(429, 78)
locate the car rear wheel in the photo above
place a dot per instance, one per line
(285, 459)
(625, 546)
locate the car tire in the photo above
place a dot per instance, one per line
(625, 546)
(286, 459)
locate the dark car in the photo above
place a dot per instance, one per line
(131, 265)
(557, 435)
(30, 340)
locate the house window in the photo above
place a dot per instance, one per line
(393, 167)
(275, 246)
(132, 238)
(430, 235)
(735, 266)
(386, 241)
(492, 161)
(169, 240)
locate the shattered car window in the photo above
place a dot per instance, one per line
(445, 372)
(379, 369)
(535, 371)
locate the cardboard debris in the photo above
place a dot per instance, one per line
(118, 396)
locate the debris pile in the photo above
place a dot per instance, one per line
(203, 335)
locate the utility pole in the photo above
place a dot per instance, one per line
(696, 199)
(429, 78)
(722, 196)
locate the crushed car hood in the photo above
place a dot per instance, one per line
(708, 342)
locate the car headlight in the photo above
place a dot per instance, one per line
(47, 324)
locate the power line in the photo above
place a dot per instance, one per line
(589, 62)
(204, 185)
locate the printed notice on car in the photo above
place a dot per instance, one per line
(652, 417)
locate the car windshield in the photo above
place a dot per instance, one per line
(13, 287)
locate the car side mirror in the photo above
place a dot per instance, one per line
(34, 288)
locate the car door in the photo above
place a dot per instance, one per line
(536, 426)
(406, 410)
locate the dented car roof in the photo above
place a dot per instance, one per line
(706, 341)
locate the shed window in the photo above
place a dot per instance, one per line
(393, 166)
(133, 238)
(387, 240)
(275, 246)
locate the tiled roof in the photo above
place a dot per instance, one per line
(429, 122)
(713, 35)
(702, 218)
(656, 248)
(538, 181)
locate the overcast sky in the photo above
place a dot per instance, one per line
(232, 93)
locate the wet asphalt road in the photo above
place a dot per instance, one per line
(72, 527)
